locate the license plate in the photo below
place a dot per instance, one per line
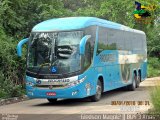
(51, 93)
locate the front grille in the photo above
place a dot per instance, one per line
(50, 86)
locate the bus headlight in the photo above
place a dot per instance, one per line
(76, 82)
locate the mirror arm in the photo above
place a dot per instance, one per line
(19, 46)
(83, 43)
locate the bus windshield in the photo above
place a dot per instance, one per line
(59, 50)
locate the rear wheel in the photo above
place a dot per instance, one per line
(138, 80)
(98, 94)
(52, 100)
(134, 83)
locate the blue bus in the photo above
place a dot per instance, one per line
(78, 57)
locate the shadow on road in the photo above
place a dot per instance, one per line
(107, 97)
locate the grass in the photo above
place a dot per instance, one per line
(155, 97)
(153, 67)
(154, 71)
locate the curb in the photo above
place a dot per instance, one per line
(13, 100)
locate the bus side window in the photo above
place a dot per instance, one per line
(144, 45)
(120, 40)
(111, 40)
(91, 30)
(102, 39)
(137, 48)
(106, 39)
(128, 40)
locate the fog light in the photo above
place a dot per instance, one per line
(74, 92)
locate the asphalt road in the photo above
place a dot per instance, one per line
(141, 98)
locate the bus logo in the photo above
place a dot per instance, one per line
(38, 81)
(53, 69)
(50, 87)
(144, 14)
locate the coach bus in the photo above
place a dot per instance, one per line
(78, 57)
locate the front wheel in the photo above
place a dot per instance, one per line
(52, 100)
(98, 94)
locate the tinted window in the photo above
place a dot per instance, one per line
(120, 40)
(106, 39)
(144, 44)
(112, 39)
(102, 39)
(128, 36)
(137, 44)
(91, 31)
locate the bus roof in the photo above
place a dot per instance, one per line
(73, 23)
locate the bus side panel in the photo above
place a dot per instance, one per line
(107, 65)
(143, 71)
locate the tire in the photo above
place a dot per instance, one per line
(98, 94)
(132, 87)
(52, 100)
(138, 80)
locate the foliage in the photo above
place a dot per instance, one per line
(155, 97)
(8, 88)
(153, 67)
(12, 68)
(18, 17)
(153, 41)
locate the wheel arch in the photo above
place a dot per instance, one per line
(101, 78)
(140, 73)
(134, 71)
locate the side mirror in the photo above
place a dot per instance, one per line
(19, 46)
(83, 44)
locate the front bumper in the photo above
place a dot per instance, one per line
(78, 91)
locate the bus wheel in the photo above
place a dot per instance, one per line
(134, 84)
(52, 100)
(98, 94)
(138, 80)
